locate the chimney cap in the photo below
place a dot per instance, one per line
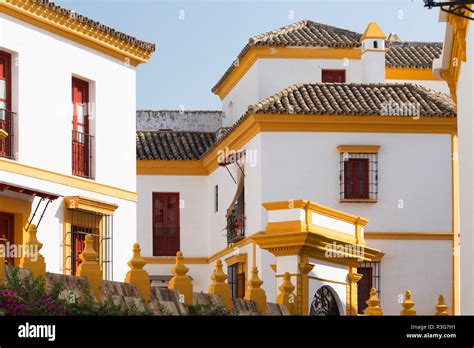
(373, 31)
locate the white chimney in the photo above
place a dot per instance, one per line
(373, 54)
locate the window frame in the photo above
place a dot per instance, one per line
(328, 72)
(216, 198)
(177, 238)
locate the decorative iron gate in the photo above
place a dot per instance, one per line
(324, 303)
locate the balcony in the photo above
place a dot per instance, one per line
(7, 143)
(235, 226)
(82, 146)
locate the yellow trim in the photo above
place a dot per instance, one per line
(49, 20)
(241, 258)
(21, 210)
(410, 74)
(459, 26)
(177, 167)
(359, 148)
(409, 235)
(456, 290)
(257, 52)
(89, 204)
(62, 179)
(257, 123)
(373, 31)
(328, 280)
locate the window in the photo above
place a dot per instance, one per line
(358, 173)
(370, 279)
(338, 76)
(166, 224)
(6, 115)
(216, 198)
(236, 269)
(82, 141)
(376, 44)
(236, 214)
(79, 223)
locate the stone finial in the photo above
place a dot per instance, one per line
(180, 280)
(373, 304)
(32, 259)
(255, 293)
(219, 285)
(89, 267)
(286, 296)
(408, 305)
(441, 307)
(137, 275)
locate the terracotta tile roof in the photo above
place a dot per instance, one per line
(165, 145)
(146, 46)
(305, 33)
(355, 99)
(412, 54)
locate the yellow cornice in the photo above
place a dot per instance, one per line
(62, 179)
(232, 260)
(410, 74)
(69, 28)
(89, 204)
(257, 123)
(409, 235)
(257, 52)
(359, 148)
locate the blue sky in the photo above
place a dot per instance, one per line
(193, 52)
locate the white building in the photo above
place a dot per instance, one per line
(318, 117)
(67, 151)
(456, 67)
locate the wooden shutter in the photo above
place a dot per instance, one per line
(363, 288)
(166, 224)
(334, 76)
(80, 127)
(356, 178)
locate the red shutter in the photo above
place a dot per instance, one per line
(356, 178)
(363, 287)
(334, 76)
(80, 127)
(5, 101)
(78, 236)
(166, 227)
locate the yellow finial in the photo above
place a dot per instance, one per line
(219, 286)
(89, 267)
(32, 259)
(441, 307)
(286, 296)
(137, 275)
(373, 304)
(408, 305)
(255, 293)
(180, 280)
(373, 31)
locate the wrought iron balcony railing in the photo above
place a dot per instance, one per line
(235, 227)
(82, 146)
(7, 143)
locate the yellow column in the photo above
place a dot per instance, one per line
(354, 278)
(441, 307)
(137, 275)
(373, 304)
(408, 305)
(32, 259)
(90, 269)
(286, 296)
(180, 280)
(255, 293)
(219, 285)
(305, 267)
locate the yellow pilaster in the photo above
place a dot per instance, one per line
(137, 275)
(305, 267)
(32, 259)
(408, 305)
(180, 280)
(219, 285)
(286, 296)
(441, 307)
(255, 293)
(90, 269)
(373, 304)
(353, 278)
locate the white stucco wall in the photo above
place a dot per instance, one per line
(440, 85)
(423, 267)
(43, 65)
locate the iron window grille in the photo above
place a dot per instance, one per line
(82, 147)
(100, 227)
(236, 281)
(371, 279)
(7, 123)
(358, 177)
